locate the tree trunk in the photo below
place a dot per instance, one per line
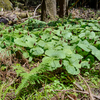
(97, 4)
(26, 2)
(48, 10)
(67, 7)
(63, 4)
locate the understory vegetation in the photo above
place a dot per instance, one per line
(42, 61)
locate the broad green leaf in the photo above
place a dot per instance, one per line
(67, 34)
(85, 64)
(47, 30)
(32, 34)
(26, 54)
(74, 39)
(24, 31)
(30, 42)
(74, 60)
(91, 24)
(37, 51)
(76, 64)
(50, 63)
(49, 45)
(19, 41)
(41, 43)
(77, 56)
(45, 36)
(46, 59)
(95, 52)
(92, 35)
(82, 35)
(68, 26)
(55, 53)
(96, 28)
(1, 44)
(55, 37)
(84, 46)
(16, 31)
(58, 48)
(67, 51)
(57, 32)
(30, 59)
(87, 33)
(54, 64)
(70, 68)
(83, 24)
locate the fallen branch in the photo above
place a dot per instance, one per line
(70, 97)
(30, 17)
(90, 93)
(78, 86)
(36, 9)
(83, 92)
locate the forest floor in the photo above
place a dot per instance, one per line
(19, 16)
(85, 86)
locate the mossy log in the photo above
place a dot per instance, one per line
(6, 4)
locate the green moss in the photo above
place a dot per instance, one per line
(5, 4)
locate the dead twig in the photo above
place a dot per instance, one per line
(78, 86)
(74, 4)
(90, 93)
(70, 97)
(83, 92)
(36, 9)
(30, 17)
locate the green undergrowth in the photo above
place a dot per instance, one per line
(66, 44)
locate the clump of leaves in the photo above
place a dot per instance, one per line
(68, 44)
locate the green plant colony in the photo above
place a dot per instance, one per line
(69, 43)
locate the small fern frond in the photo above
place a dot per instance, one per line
(30, 77)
